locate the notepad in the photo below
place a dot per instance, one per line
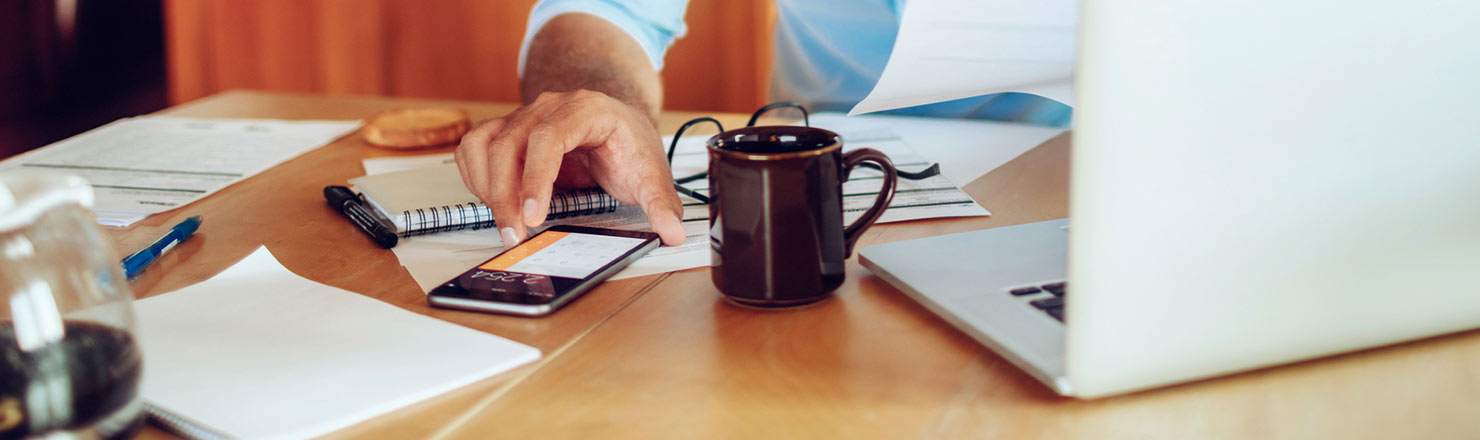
(259, 352)
(433, 199)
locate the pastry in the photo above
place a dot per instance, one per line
(417, 127)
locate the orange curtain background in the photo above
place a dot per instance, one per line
(454, 49)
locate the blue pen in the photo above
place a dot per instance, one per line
(135, 263)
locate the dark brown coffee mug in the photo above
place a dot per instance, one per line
(776, 212)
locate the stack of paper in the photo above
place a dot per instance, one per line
(149, 164)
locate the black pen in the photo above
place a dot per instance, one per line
(348, 203)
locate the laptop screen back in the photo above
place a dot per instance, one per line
(1265, 181)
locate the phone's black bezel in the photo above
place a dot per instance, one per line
(457, 288)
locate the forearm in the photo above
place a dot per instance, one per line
(578, 51)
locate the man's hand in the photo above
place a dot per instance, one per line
(573, 139)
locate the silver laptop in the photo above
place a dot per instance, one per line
(1251, 185)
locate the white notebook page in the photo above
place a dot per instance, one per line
(259, 352)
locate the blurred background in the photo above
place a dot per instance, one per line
(71, 65)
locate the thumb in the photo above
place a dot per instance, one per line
(664, 212)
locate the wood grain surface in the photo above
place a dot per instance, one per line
(663, 356)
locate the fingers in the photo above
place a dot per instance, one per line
(476, 156)
(668, 227)
(630, 164)
(512, 163)
(650, 178)
(472, 156)
(665, 221)
(484, 159)
(582, 121)
(542, 161)
(663, 208)
(504, 164)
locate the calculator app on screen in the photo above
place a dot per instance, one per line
(563, 254)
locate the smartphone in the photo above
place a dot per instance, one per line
(546, 271)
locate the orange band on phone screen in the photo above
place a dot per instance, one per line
(523, 250)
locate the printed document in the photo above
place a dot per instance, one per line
(953, 49)
(150, 164)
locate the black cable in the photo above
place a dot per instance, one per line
(931, 171)
(806, 120)
(672, 146)
(691, 178)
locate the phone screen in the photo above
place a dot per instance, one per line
(562, 254)
(547, 266)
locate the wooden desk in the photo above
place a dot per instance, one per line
(663, 356)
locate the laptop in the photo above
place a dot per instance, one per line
(1251, 185)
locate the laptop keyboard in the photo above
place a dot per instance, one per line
(1046, 297)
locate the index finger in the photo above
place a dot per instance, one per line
(472, 156)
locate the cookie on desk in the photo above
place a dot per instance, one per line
(417, 128)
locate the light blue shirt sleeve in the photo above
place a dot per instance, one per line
(654, 24)
(830, 53)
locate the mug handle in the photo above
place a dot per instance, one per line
(886, 193)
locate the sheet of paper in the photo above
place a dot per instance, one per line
(387, 164)
(952, 49)
(150, 164)
(436, 258)
(259, 352)
(966, 149)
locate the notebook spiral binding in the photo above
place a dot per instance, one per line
(183, 426)
(477, 215)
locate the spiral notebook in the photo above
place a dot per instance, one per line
(433, 199)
